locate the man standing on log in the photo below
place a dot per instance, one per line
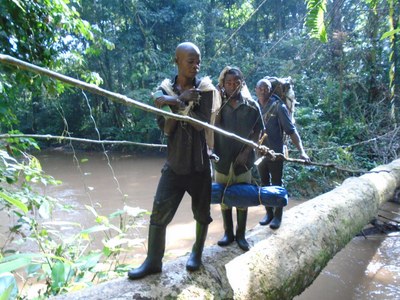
(240, 115)
(277, 122)
(187, 168)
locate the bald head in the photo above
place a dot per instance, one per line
(185, 48)
(263, 90)
(187, 59)
(264, 83)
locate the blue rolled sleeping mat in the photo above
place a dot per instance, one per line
(245, 195)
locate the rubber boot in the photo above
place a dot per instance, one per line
(241, 229)
(276, 221)
(155, 253)
(194, 261)
(268, 216)
(228, 228)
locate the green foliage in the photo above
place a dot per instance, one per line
(390, 33)
(372, 3)
(47, 33)
(63, 261)
(8, 286)
(237, 14)
(315, 19)
(41, 31)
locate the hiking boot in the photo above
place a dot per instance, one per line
(194, 261)
(155, 253)
(276, 221)
(268, 216)
(241, 229)
(228, 228)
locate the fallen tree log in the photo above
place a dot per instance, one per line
(282, 263)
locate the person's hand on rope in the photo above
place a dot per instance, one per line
(266, 152)
(303, 155)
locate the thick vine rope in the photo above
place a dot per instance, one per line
(262, 150)
(115, 97)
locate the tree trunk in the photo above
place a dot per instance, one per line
(337, 53)
(209, 30)
(282, 263)
(396, 61)
(371, 55)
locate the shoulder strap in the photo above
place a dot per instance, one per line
(269, 111)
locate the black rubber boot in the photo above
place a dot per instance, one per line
(241, 229)
(155, 253)
(268, 216)
(228, 228)
(276, 221)
(194, 261)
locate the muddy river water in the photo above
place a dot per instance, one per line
(367, 268)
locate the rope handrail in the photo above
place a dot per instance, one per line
(263, 150)
(64, 138)
(115, 97)
(83, 140)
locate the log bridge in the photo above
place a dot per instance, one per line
(282, 263)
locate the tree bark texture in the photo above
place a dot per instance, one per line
(282, 263)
